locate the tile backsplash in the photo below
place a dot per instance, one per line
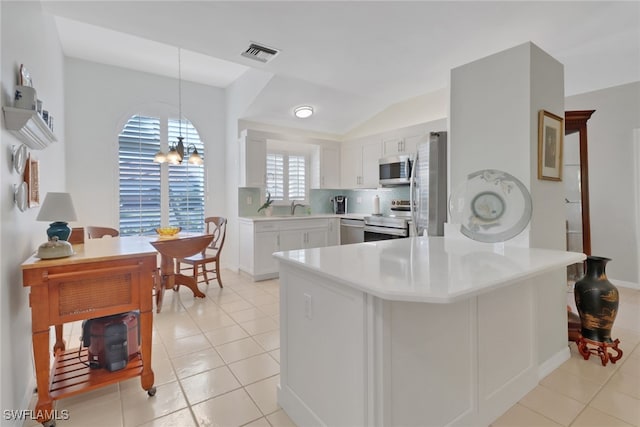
(358, 201)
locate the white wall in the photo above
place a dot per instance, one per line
(420, 109)
(611, 176)
(28, 37)
(99, 101)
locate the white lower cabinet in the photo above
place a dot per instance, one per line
(260, 239)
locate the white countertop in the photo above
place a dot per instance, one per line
(428, 269)
(313, 216)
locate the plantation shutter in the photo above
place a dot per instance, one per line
(140, 198)
(186, 181)
(297, 178)
(140, 179)
(275, 175)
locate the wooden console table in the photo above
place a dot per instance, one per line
(103, 277)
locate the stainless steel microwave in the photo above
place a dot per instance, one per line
(395, 170)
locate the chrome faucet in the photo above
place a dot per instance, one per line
(294, 205)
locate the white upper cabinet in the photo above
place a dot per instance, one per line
(360, 164)
(253, 160)
(329, 167)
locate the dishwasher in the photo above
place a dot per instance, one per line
(351, 231)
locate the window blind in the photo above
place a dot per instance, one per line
(140, 198)
(186, 181)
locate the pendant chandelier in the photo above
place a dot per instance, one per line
(176, 152)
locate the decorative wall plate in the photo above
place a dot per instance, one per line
(20, 158)
(20, 196)
(491, 206)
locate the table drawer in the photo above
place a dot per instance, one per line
(79, 295)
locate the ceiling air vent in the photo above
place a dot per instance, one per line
(260, 53)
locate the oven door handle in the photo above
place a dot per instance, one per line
(386, 230)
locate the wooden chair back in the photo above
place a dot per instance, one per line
(216, 225)
(98, 232)
(76, 236)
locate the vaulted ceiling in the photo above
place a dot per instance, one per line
(349, 59)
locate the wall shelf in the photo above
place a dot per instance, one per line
(29, 127)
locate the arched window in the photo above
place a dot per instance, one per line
(153, 194)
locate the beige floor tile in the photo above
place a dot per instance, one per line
(182, 328)
(552, 405)
(630, 366)
(224, 296)
(232, 409)
(269, 340)
(226, 335)
(163, 371)
(255, 368)
(260, 422)
(182, 346)
(209, 384)
(280, 419)
(238, 350)
(625, 383)
(234, 306)
(181, 418)
(264, 394)
(259, 326)
(100, 407)
(521, 416)
(212, 321)
(248, 314)
(276, 355)
(271, 310)
(262, 300)
(571, 385)
(591, 369)
(591, 417)
(140, 408)
(195, 363)
(617, 405)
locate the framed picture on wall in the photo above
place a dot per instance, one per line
(550, 137)
(32, 178)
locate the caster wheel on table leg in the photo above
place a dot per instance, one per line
(151, 391)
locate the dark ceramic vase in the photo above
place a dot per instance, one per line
(597, 301)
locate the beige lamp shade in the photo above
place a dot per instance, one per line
(57, 207)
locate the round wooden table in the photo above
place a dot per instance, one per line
(170, 249)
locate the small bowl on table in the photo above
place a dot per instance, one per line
(168, 231)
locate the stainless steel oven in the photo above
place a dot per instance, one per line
(379, 227)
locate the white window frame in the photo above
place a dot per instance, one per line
(286, 154)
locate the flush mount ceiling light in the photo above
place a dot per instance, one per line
(303, 111)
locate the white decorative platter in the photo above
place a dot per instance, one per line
(20, 158)
(20, 196)
(491, 206)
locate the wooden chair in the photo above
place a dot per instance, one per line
(98, 232)
(76, 236)
(217, 226)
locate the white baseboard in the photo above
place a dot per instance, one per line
(553, 363)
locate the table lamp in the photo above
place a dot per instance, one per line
(57, 207)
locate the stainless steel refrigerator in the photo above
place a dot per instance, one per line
(428, 192)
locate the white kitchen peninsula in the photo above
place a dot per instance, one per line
(421, 331)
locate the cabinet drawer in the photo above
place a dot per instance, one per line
(266, 226)
(303, 224)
